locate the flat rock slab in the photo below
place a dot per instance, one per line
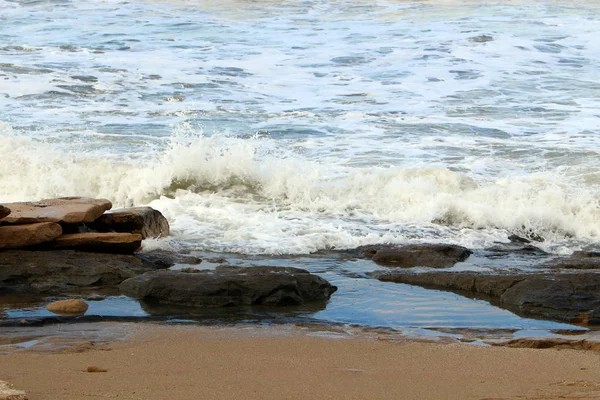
(230, 286)
(578, 260)
(65, 271)
(567, 297)
(68, 210)
(17, 236)
(4, 211)
(108, 242)
(417, 255)
(146, 221)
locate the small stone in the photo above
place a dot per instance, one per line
(68, 307)
(8, 393)
(93, 368)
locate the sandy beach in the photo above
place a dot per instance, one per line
(183, 362)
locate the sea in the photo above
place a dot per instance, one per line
(276, 132)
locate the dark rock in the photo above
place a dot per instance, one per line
(63, 271)
(578, 260)
(66, 210)
(17, 236)
(105, 242)
(481, 38)
(230, 286)
(146, 221)
(517, 248)
(417, 255)
(4, 211)
(518, 239)
(572, 298)
(167, 260)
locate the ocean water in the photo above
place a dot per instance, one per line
(290, 127)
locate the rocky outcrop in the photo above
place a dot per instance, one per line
(68, 210)
(108, 242)
(416, 255)
(68, 307)
(4, 211)
(565, 297)
(66, 271)
(578, 260)
(16, 236)
(230, 286)
(145, 221)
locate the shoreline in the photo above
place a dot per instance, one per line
(278, 362)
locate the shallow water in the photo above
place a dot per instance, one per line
(280, 127)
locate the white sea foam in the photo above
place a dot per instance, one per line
(242, 195)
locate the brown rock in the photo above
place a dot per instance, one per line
(8, 393)
(15, 236)
(64, 210)
(4, 211)
(549, 343)
(146, 221)
(417, 255)
(93, 368)
(122, 243)
(68, 307)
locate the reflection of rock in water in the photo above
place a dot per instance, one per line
(232, 314)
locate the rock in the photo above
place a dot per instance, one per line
(93, 368)
(16, 236)
(68, 307)
(571, 298)
(146, 221)
(551, 343)
(417, 255)
(230, 286)
(169, 259)
(8, 393)
(106, 242)
(4, 211)
(66, 210)
(65, 271)
(481, 38)
(578, 260)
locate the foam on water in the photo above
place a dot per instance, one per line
(248, 195)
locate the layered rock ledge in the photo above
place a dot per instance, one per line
(566, 297)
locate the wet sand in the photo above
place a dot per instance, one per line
(182, 362)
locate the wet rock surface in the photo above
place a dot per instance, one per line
(230, 286)
(66, 271)
(145, 221)
(567, 297)
(416, 255)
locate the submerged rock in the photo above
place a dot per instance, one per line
(572, 298)
(68, 307)
(15, 236)
(230, 286)
(578, 260)
(146, 221)
(4, 211)
(66, 210)
(64, 271)
(417, 255)
(106, 242)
